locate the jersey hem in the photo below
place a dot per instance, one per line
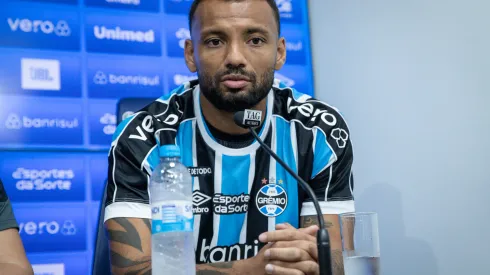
(127, 210)
(328, 207)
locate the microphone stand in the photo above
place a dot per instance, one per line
(323, 239)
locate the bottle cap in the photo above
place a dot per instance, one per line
(170, 150)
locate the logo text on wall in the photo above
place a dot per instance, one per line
(60, 28)
(17, 122)
(117, 33)
(101, 78)
(67, 228)
(43, 179)
(40, 74)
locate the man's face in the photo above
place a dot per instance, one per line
(235, 50)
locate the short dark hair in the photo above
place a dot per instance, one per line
(272, 4)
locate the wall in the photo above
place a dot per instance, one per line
(63, 68)
(412, 78)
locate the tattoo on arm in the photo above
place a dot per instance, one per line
(334, 231)
(337, 263)
(130, 246)
(215, 269)
(313, 220)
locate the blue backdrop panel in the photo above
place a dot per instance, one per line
(65, 65)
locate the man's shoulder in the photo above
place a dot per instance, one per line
(307, 110)
(163, 114)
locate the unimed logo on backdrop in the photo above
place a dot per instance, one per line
(123, 34)
(43, 177)
(50, 229)
(24, 25)
(41, 121)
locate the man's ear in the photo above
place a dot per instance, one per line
(189, 56)
(281, 53)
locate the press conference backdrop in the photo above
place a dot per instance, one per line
(64, 66)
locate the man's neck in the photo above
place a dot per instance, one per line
(222, 120)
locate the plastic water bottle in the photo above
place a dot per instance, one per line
(172, 236)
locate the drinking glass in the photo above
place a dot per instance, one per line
(360, 243)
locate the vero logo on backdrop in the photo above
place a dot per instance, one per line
(67, 228)
(59, 28)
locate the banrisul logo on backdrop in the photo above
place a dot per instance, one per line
(137, 34)
(103, 120)
(298, 77)
(291, 11)
(28, 26)
(177, 6)
(137, 5)
(40, 74)
(296, 46)
(41, 121)
(176, 32)
(52, 229)
(113, 77)
(43, 177)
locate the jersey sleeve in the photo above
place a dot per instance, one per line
(7, 218)
(331, 178)
(132, 158)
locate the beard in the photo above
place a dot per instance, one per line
(234, 100)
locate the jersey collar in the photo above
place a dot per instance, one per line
(220, 149)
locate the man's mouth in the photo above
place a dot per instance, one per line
(235, 81)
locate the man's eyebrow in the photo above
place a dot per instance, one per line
(257, 30)
(212, 31)
(248, 31)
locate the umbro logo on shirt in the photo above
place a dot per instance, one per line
(199, 201)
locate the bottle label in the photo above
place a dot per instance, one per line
(171, 216)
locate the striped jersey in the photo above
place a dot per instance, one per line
(238, 193)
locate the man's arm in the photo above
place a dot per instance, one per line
(130, 245)
(13, 260)
(333, 226)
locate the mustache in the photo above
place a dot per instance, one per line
(237, 71)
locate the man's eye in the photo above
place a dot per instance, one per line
(256, 41)
(213, 42)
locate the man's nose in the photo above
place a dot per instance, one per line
(235, 57)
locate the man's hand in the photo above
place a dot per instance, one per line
(290, 250)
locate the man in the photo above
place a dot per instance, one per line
(13, 260)
(235, 49)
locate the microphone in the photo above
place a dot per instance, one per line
(253, 118)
